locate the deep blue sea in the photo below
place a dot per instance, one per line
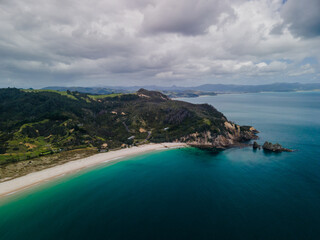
(191, 194)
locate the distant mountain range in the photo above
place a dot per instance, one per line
(206, 89)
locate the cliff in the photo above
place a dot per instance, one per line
(231, 135)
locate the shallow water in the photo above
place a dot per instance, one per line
(188, 193)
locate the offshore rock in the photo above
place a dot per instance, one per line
(256, 145)
(268, 146)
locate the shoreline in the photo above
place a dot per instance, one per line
(17, 184)
(231, 93)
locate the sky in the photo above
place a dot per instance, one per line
(158, 42)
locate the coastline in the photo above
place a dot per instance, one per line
(232, 93)
(31, 179)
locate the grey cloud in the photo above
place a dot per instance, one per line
(165, 42)
(302, 17)
(186, 17)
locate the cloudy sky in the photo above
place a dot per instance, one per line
(161, 42)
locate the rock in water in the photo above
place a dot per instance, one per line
(256, 145)
(268, 146)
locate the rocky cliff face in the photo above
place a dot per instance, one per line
(229, 136)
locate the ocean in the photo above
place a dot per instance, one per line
(184, 194)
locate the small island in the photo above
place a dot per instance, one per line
(270, 147)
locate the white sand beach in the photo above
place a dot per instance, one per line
(34, 178)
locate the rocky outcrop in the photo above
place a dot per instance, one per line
(268, 146)
(256, 145)
(232, 135)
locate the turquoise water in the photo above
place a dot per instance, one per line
(188, 193)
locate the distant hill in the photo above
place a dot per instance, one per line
(173, 93)
(91, 90)
(206, 89)
(275, 87)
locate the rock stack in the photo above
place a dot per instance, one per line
(268, 146)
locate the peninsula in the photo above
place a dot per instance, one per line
(41, 129)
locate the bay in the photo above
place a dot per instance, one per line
(191, 194)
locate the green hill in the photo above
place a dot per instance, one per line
(34, 123)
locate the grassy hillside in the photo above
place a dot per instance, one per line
(34, 123)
